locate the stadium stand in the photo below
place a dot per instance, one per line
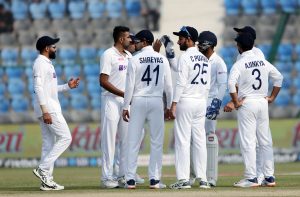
(85, 29)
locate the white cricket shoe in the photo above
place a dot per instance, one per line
(212, 183)
(204, 185)
(139, 180)
(44, 177)
(56, 187)
(181, 184)
(247, 183)
(192, 181)
(121, 181)
(110, 184)
(260, 179)
(156, 184)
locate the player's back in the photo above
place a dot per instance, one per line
(150, 69)
(194, 74)
(252, 74)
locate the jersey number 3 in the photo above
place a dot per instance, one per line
(257, 78)
(147, 74)
(200, 72)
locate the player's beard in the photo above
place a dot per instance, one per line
(183, 47)
(52, 55)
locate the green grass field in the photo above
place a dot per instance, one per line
(86, 182)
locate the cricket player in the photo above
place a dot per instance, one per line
(121, 179)
(218, 85)
(207, 41)
(113, 68)
(189, 109)
(148, 76)
(251, 74)
(56, 135)
(259, 53)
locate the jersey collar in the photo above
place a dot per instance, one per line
(45, 58)
(247, 53)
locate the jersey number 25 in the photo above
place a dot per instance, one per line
(201, 71)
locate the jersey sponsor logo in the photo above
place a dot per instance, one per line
(254, 64)
(198, 58)
(122, 67)
(54, 75)
(151, 60)
(221, 72)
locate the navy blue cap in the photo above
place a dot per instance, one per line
(246, 29)
(208, 38)
(144, 35)
(44, 41)
(188, 32)
(245, 40)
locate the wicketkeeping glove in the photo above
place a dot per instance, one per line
(212, 111)
(169, 45)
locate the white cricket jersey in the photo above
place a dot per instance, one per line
(251, 73)
(193, 76)
(257, 53)
(114, 64)
(45, 86)
(148, 75)
(218, 76)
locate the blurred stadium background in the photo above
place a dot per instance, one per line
(85, 28)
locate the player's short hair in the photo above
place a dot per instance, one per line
(118, 30)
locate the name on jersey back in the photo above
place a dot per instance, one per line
(254, 64)
(198, 58)
(151, 60)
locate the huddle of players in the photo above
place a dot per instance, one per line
(133, 88)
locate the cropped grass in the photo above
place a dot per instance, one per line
(86, 181)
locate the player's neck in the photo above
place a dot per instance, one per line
(120, 48)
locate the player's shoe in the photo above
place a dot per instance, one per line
(269, 182)
(130, 184)
(181, 184)
(156, 184)
(192, 181)
(204, 185)
(56, 187)
(121, 181)
(110, 184)
(260, 179)
(44, 177)
(139, 180)
(247, 183)
(212, 183)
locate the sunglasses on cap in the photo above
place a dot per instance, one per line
(184, 29)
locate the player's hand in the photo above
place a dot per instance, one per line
(173, 111)
(47, 118)
(270, 99)
(156, 46)
(125, 115)
(229, 107)
(167, 114)
(73, 83)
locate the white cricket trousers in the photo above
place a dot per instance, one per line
(111, 124)
(145, 109)
(253, 124)
(189, 125)
(56, 138)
